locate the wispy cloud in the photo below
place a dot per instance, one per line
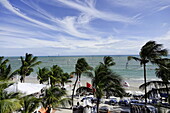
(88, 7)
(137, 4)
(70, 25)
(164, 39)
(16, 11)
(143, 7)
(81, 26)
(67, 25)
(163, 8)
(28, 43)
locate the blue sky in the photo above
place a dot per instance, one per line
(82, 27)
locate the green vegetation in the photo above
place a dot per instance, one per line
(29, 103)
(54, 97)
(5, 70)
(105, 82)
(43, 75)
(55, 74)
(27, 66)
(162, 72)
(9, 102)
(150, 52)
(81, 67)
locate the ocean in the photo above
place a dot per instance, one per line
(133, 71)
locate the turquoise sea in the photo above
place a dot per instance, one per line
(133, 72)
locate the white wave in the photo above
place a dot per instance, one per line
(148, 79)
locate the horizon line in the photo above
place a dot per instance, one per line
(77, 55)
(72, 55)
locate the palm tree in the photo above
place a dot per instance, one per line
(43, 75)
(157, 87)
(9, 101)
(80, 67)
(106, 82)
(5, 70)
(27, 66)
(156, 84)
(65, 78)
(54, 97)
(163, 71)
(55, 75)
(149, 52)
(29, 104)
(108, 61)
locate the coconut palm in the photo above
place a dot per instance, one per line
(106, 82)
(163, 71)
(155, 84)
(108, 61)
(43, 75)
(5, 70)
(54, 97)
(27, 66)
(55, 75)
(157, 88)
(29, 104)
(9, 101)
(81, 67)
(65, 78)
(149, 52)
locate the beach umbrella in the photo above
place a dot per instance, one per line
(125, 84)
(26, 88)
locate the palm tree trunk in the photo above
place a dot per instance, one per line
(145, 82)
(22, 79)
(98, 99)
(74, 90)
(79, 80)
(167, 89)
(62, 84)
(107, 94)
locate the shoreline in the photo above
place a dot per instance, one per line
(133, 88)
(134, 84)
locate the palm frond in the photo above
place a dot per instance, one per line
(150, 83)
(9, 105)
(29, 103)
(35, 64)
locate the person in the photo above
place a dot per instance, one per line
(94, 109)
(78, 104)
(87, 109)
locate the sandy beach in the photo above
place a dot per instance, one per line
(120, 44)
(133, 88)
(133, 84)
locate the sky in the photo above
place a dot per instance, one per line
(82, 27)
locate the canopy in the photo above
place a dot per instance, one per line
(27, 88)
